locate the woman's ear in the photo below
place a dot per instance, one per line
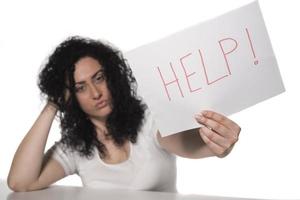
(67, 90)
(67, 94)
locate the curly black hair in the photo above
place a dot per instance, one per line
(57, 75)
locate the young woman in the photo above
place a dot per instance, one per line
(108, 135)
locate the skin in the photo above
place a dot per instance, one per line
(216, 136)
(91, 88)
(95, 100)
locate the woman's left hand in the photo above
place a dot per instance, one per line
(219, 133)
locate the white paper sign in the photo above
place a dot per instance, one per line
(225, 64)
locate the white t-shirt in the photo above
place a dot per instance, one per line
(149, 167)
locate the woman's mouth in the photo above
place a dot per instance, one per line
(101, 104)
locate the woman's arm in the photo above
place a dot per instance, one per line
(30, 169)
(216, 138)
(186, 144)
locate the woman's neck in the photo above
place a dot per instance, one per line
(101, 130)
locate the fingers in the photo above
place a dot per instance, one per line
(221, 119)
(230, 135)
(214, 137)
(219, 133)
(212, 145)
(214, 125)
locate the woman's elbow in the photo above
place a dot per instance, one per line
(16, 186)
(20, 186)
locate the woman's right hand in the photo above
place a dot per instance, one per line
(59, 102)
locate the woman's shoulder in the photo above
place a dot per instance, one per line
(65, 155)
(148, 122)
(149, 129)
(61, 146)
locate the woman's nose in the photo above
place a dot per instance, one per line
(95, 92)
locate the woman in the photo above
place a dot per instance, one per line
(108, 135)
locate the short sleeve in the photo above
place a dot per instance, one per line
(65, 157)
(150, 128)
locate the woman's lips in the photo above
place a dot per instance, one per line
(101, 104)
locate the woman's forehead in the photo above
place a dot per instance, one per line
(85, 68)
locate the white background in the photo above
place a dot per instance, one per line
(265, 161)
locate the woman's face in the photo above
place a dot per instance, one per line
(91, 89)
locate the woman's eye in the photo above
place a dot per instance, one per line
(99, 78)
(79, 88)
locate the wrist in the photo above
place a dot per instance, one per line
(51, 107)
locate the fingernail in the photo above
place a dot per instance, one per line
(198, 116)
(204, 112)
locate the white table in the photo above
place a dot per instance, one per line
(81, 193)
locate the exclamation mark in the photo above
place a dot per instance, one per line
(252, 49)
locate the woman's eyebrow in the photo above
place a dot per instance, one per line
(93, 76)
(100, 70)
